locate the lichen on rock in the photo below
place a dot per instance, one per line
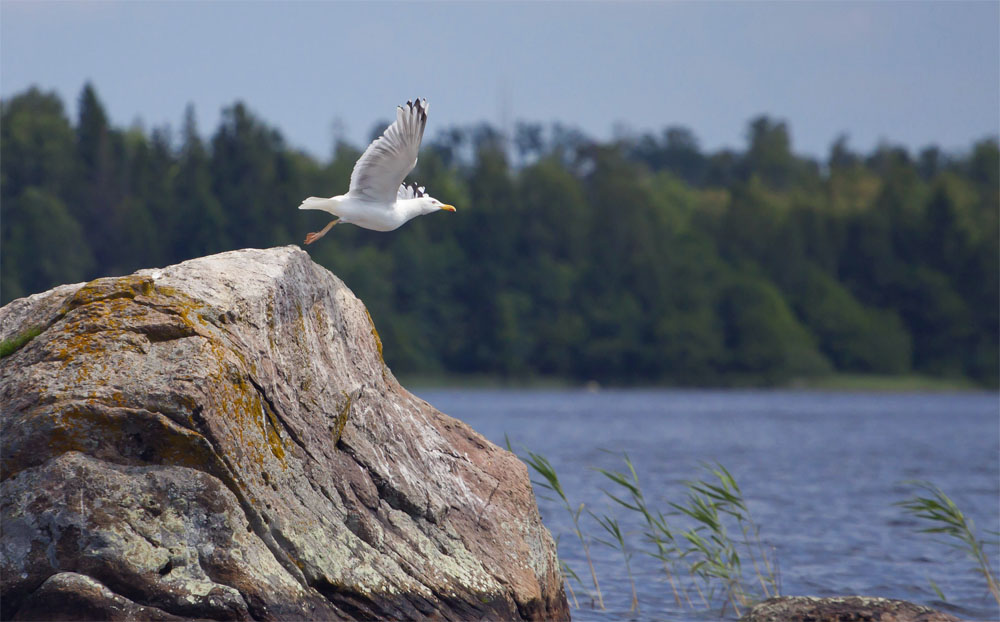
(221, 439)
(842, 609)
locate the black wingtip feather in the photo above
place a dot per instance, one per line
(415, 190)
(419, 105)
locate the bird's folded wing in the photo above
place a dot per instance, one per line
(391, 156)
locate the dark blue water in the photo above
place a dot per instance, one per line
(820, 473)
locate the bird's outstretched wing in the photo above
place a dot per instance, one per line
(386, 162)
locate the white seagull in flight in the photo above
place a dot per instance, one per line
(377, 198)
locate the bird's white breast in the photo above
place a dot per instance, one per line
(371, 215)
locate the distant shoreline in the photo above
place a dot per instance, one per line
(835, 382)
(907, 382)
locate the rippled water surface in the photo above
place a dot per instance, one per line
(820, 472)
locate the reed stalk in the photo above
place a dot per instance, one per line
(943, 516)
(611, 525)
(567, 573)
(658, 531)
(712, 558)
(729, 499)
(551, 481)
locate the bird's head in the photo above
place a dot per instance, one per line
(430, 204)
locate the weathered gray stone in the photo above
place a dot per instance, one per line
(72, 596)
(842, 609)
(221, 439)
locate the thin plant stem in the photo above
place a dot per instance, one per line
(753, 560)
(586, 552)
(567, 573)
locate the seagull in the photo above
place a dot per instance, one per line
(377, 198)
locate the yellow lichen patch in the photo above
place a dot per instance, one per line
(319, 316)
(251, 424)
(249, 421)
(300, 319)
(109, 288)
(170, 300)
(273, 439)
(109, 306)
(341, 421)
(378, 340)
(75, 345)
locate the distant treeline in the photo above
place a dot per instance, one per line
(640, 260)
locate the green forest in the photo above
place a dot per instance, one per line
(639, 260)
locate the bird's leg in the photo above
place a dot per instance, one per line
(312, 237)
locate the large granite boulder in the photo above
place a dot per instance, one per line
(221, 439)
(842, 609)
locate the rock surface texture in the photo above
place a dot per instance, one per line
(221, 439)
(842, 609)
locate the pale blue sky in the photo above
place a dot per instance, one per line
(912, 73)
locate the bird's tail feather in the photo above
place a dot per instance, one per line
(318, 203)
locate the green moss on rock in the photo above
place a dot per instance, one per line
(12, 345)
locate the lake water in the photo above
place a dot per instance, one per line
(820, 473)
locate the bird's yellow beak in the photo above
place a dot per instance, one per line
(448, 208)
